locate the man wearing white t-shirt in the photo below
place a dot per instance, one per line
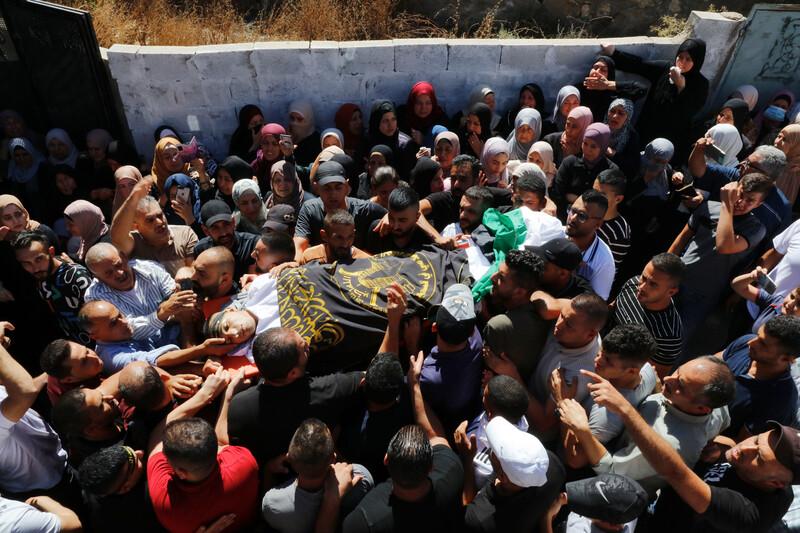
(783, 262)
(584, 219)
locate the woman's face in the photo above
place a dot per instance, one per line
(388, 124)
(14, 218)
(257, 120)
(224, 181)
(725, 116)
(282, 186)
(250, 205)
(72, 227)
(489, 100)
(780, 142)
(296, 120)
(437, 183)
(591, 151)
(57, 149)
(423, 106)
(536, 159)
(781, 102)
(444, 152)
(526, 99)
(570, 103)
(572, 129)
(684, 62)
(382, 193)
(599, 69)
(497, 164)
(96, 152)
(617, 117)
(376, 160)
(356, 122)
(331, 140)
(113, 165)
(13, 127)
(474, 124)
(66, 184)
(125, 187)
(171, 160)
(270, 147)
(525, 134)
(22, 158)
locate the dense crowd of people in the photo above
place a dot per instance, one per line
(150, 379)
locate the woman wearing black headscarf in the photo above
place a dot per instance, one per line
(600, 88)
(231, 170)
(476, 130)
(246, 139)
(425, 174)
(677, 92)
(383, 129)
(530, 95)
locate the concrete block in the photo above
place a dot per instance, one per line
(271, 59)
(366, 57)
(234, 59)
(168, 62)
(423, 58)
(527, 55)
(465, 54)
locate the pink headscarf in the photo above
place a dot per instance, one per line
(260, 164)
(89, 220)
(601, 134)
(584, 117)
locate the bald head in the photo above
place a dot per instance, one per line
(99, 252)
(104, 322)
(142, 386)
(213, 272)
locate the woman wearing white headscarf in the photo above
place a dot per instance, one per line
(302, 129)
(568, 98)
(541, 155)
(527, 130)
(728, 139)
(250, 212)
(60, 148)
(480, 94)
(333, 136)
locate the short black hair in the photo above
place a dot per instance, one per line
(720, 389)
(100, 472)
(508, 398)
(786, 330)
(338, 217)
(69, 414)
(533, 184)
(311, 449)
(482, 195)
(148, 392)
(757, 182)
(614, 178)
(278, 242)
(190, 442)
(633, 343)
(27, 237)
(591, 196)
(53, 357)
(384, 378)
(671, 265)
(384, 174)
(526, 268)
(464, 160)
(592, 306)
(275, 353)
(409, 457)
(402, 198)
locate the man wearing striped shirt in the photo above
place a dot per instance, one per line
(615, 231)
(141, 290)
(647, 300)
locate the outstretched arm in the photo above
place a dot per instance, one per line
(21, 388)
(423, 414)
(123, 220)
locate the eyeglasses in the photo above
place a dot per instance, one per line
(581, 216)
(747, 163)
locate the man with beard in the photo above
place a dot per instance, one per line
(405, 235)
(61, 284)
(214, 283)
(219, 228)
(338, 234)
(584, 219)
(473, 204)
(116, 346)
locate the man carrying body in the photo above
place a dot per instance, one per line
(561, 257)
(219, 228)
(214, 281)
(473, 204)
(403, 214)
(338, 234)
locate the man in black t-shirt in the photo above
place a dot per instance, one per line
(405, 235)
(219, 227)
(749, 489)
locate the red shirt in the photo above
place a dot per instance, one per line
(231, 488)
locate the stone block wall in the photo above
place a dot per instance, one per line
(199, 90)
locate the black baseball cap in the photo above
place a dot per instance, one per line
(214, 211)
(561, 252)
(328, 172)
(280, 218)
(787, 448)
(612, 498)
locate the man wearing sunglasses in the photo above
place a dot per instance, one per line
(583, 220)
(776, 212)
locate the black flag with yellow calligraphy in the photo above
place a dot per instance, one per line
(340, 309)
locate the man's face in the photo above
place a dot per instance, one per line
(755, 461)
(583, 220)
(752, 163)
(551, 275)
(573, 328)
(37, 260)
(340, 240)
(747, 202)
(207, 276)
(130, 475)
(115, 272)
(527, 199)
(654, 286)
(402, 223)
(221, 232)
(684, 386)
(303, 349)
(265, 259)
(333, 195)
(503, 286)
(608, 365)
(607, 190)
(237, 326)
(790, 304)
(470, 214)
(82, 363)
(461, 179)
(109, 324)
(765, 349)
(102, 410)
(152, 225)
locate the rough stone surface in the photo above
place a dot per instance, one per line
(200, 90)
